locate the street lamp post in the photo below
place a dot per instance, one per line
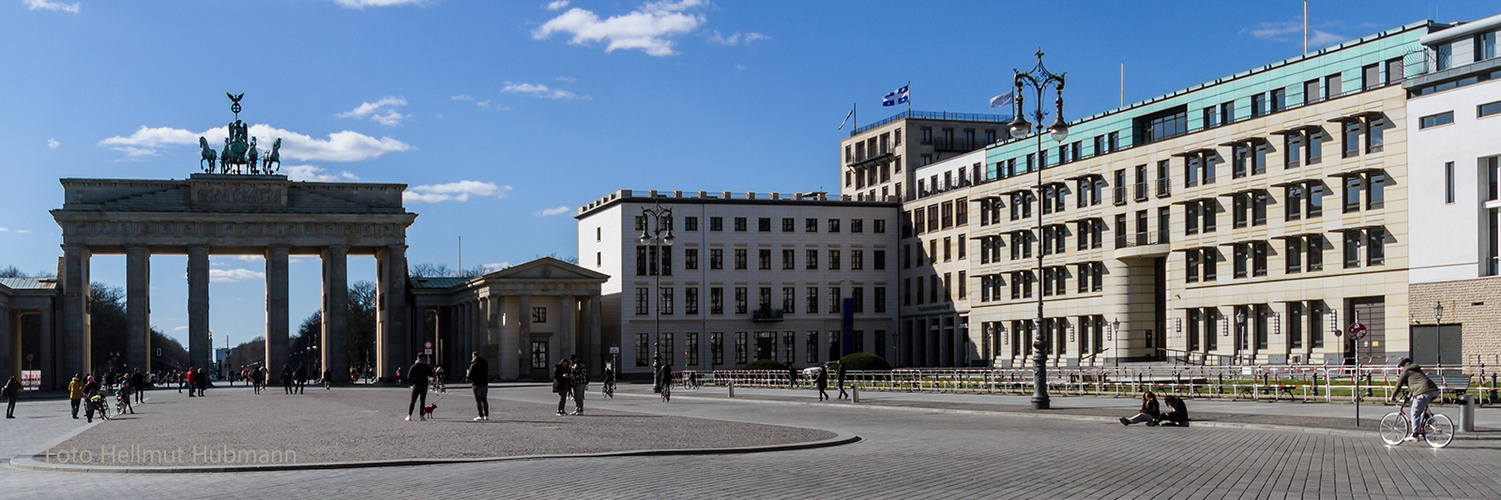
(1240, 334)
(1115, 338)
(1039, 78)
(1438, 321)
(656, 235)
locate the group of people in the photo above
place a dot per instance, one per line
(570, 377)
(93, 394)
(821, 380)
(1151, 412)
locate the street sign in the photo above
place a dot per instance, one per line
(428, 345)
(615, 350)
(1357, 331)
(29, 357)
(428, 352)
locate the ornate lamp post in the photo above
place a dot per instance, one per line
(1038, 78)
(656, 231)
(1438, 321)
(1240, 334)
(1115, 334)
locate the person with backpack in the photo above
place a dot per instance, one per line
(580, 383)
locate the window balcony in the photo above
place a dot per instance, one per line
(766, 315)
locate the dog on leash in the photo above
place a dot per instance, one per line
(427, 411)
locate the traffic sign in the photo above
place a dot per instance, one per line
(428, 345)
(1357, 331)
(29, 357)
(615, 350)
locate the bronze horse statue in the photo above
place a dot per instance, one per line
(207, 154)
(252, 157)
(273, 157)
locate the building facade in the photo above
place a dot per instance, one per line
(1242, 220)
(880, 160)
(799, 279)
(1455, 110)
(935, 266)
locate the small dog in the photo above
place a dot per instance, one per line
(427, 411)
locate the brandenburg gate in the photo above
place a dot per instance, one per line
(239, 207)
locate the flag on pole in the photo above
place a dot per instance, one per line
(847, 118)
(1003, 100)
(896, 97)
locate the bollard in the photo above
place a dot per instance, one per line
(732, 388)
(854, 393)
(1467, 413)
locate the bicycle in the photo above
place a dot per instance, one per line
(1438, 429)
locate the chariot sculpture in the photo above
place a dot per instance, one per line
(239, 154)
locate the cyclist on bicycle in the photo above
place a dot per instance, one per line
(1421, 387)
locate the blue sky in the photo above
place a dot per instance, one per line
(504, 116)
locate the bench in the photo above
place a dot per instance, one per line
(1454, 384)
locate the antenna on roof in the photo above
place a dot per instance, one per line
(1305, 26)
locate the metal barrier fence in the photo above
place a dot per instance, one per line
(1306, 383)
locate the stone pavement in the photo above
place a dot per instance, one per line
(906, 452)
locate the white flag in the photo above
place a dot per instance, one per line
(896, 97)
(1003, 100)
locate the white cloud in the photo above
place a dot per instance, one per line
(556, 5)
(1282, 31)
(462, 97)
(537, 90)
(180, 328)
(741, 67)
(382, 111)
(317, 174)
(233, 275)
(360, 4)
(4, 229)
(483, 104)
(339, 146)
(555, 211)
(453, 191)
(53, 144)
(23, 231)
(648, 28)
(52, 6)
(737, 38)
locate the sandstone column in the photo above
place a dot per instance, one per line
(507, 361)
(393, 336)
(11, 362)
(336, 311)
(200, 353)
(565, 326)
(277, 317)
(591, 328)
(138, 307)
(46, 360)
(74, 344)
(522, 354)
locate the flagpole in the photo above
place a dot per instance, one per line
(854, 113)
(909, 98)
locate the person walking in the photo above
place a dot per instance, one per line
(301, 377)
(562, 383)
(75, 394)
(418, 375)
(187, 378)
(479, 375)
(201, 378)
(842, 394)
(822, 380)
(286, 378)
(258, 379)
(12, 393)
(580, 375)
(126, 389)
(791, 376)
(90, 386)
(138, 381)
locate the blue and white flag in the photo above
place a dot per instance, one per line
(1003, 100)
(898, 96)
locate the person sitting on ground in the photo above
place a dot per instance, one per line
(1149, 412)
(1177, 412)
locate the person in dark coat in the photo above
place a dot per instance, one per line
(822, 380)
(1149, 412)
(562, 383)
(479, 375)
(90, 386)
(791, 376)
(418, 375)
(328, 379)
(1177, 412)
(286, 377)
(201, 378)
(301, 376)
(258, 379)
(842, 394)
(12, 393)
(138, 382)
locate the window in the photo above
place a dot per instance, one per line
(716, 348)
(857, 300)
(740, 224)
(1375, 195)
(690, 349)
(1375, 250)
(1259, 251)
(812, 258)
(1279, 100)
(810, 225)
(1333, 87)
(690, 300)
(716, 300)
(1315, 253)
(690, 258)
(763, 296)
(1292, 202)
(812, 302)
(857, 259)
(1227, 112)
(789, 347)
(643, 301)
(1295, 325)
(1191, 218)
(787, 224)
(1294, 256)
(742, 344)
(1444, 56)
(763, 224)
(741, 257)
(763, 258)
(1487, 109)
(742, 299)
(1352, 249)
(1444, 118)
(1258, 105)
(812, 347)
(643, 350)
(539, 315)
(1352, 193)
(834, 299)
(1239, 157)
(716, 223)
(879, 225)
(833, 225)
(1292, 150)
(1259, 201)
(1485, 46)
(1449, 182)
(690, 223)
(1352, 138)
(833, 259)
(1315, 194)
(1315, 142)
(1311, 92)
(1370, 76)
(789, 299)
(667, 301)
(1163, 124)
(788, 258)
(857, 225)
(879, 257)
(716, 258)
(1242, 259)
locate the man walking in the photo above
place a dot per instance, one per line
(301, 377)
(12, 392)
(75, 394)
(791, 375)
(842, 394)
(479, 375)
(822, 381)
(286, 377)
(418, 375)
(187, 378)
(580, 383)
(138, 382)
